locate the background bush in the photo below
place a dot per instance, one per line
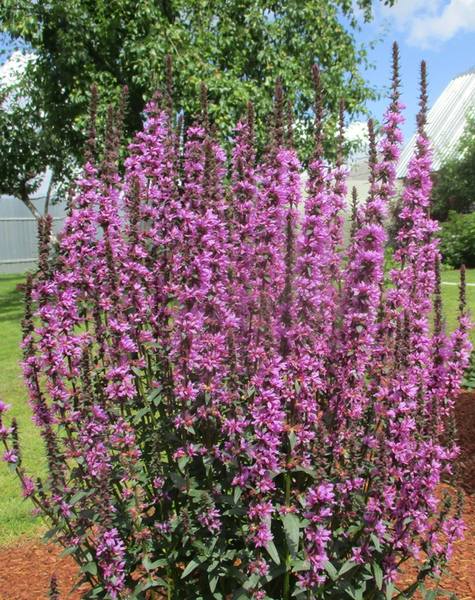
(457, 240)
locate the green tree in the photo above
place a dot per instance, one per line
(25, 151)
(454, 188)
(237, 47)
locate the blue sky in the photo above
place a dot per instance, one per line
(440, 31)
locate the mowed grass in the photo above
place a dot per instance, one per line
(450, 297)
(15, 513)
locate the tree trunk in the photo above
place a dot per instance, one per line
(25, 198)
(48, 194)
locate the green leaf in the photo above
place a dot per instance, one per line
(51, 533)
(183, 461)
(69, 551)
(376, 542)
(356, 594)
(272, 550)
(212, 566)
(138, 416)
(148, 584)
(155, 397)
(310, 472)
(79, 496)
(330, 569)
(178, 480)
(150, 566)
(190, 567)
(300, 565)
(390, 587)
(89, 567)
(346, 566)
(291, 527)
(378, 576)
(241, 594)
(237, 494)
(292, 440)
(213, 582)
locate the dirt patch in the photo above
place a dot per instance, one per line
(26, 569)
(465, 418)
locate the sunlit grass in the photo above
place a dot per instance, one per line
(15, 513)
(450, 297)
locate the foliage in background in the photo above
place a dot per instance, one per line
(454, 188)
(457, 240)
(231, 402)
(26, 151)
(237, 47)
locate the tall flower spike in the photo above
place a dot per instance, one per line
(318, 109)
(169, 84)
(242, 229)
(290, 125)
(462, 291)
(438, 323)
(90, 149)
(422, 114)
(278, 128)
(204, 106)
(44, 239)
(354, 211)
(340, 156)
(372, 160)
(53, 589)
(395, 82)
(339, 193)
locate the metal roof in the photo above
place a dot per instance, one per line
(445, 121)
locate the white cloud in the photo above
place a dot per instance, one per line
(457, 16)
(405, 11)
(432, 22)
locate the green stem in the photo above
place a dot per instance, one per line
(286, 589)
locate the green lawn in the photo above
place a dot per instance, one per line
(15, 513)
(450, 297)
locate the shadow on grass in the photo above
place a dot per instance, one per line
(11, 301)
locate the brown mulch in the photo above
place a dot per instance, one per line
(26, 567)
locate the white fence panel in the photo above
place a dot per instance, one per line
(18, 234)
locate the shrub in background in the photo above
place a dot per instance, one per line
(233, 404)
(454, 183)
(457, 240)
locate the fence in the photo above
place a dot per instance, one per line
(18, 234)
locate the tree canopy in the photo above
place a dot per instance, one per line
(238, 47)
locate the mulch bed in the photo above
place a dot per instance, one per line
(26, 568)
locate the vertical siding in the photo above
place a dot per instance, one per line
(18, 234)
(446, 122)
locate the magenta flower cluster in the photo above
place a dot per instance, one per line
(236, 400)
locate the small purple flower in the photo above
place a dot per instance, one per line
(10, 456)
(4, 407)
(29, 487)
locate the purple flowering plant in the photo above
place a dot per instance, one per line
(235, 400)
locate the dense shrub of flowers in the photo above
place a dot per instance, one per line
(234, 401)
